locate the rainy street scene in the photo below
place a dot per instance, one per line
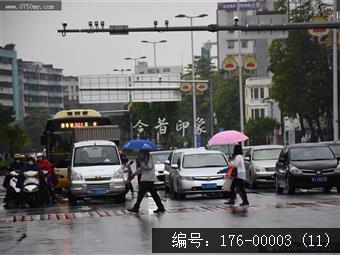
(198, 126)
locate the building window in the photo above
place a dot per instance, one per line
(244, 44)
(257, 93)
(257, 113)
(231, 44)
(261, 93)
(166, 70)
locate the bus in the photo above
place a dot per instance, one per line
(57, 138)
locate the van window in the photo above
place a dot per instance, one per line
(95, 155)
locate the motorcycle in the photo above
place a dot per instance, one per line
(33, 195)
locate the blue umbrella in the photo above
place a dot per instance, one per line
(140, 145)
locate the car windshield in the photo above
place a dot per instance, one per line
(96, 155)
(227, 149)
(266, 154)
(311, 153)
(204, 160)
(335, 148)
(159, 158)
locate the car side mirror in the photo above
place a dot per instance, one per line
(282, 160)
(167, 162)
(174, 166)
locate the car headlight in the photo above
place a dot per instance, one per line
(119, 174)
(337, 169)
(76, 177)
(294, 170)
(188, 178)
(259, 169)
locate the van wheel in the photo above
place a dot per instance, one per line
(72, 201)
(182, 196)
(173, 192)
(279, 190)
(120, 198)
(289, 187)
(167, 189)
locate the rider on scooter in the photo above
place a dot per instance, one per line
(16, 165)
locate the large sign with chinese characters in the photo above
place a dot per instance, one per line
(162, 126)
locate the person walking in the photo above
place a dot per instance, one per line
(148, 176)
(238, 185)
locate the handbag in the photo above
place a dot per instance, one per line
(227, 184)
(232, 171)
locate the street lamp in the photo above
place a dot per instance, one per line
(193, 74)
(154, 49)
(135, 59)
(121, 70)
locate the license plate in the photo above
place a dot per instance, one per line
(319, 179)
(209, 186)
(99, 191)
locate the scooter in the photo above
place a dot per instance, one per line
(33, 195)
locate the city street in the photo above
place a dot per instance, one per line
(103, 227)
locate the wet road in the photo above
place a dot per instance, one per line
(103, 227)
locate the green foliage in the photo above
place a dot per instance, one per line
(259, 129)
(16, 137)
(302, 80)
(35, 124)
(6, 115)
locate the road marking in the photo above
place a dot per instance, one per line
(62, 216)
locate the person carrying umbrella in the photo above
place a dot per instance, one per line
(148, 176)
(238, 178)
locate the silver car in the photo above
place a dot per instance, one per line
(196, 172)
(159, 157)
(260, 164)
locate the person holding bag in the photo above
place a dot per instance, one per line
(238, 175)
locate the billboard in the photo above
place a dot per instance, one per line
(122, 88)
(147, 85)
(103, 89)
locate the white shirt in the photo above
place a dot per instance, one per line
(239, 163)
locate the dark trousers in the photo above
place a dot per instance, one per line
(128, 186)
(147, 187)
(238, 186)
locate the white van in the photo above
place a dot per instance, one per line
(96, 170)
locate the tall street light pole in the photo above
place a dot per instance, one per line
(154, 50)
(193, 75)
(135, 59)
(335, 78)
(240, 72)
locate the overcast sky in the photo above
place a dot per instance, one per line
(36, 38)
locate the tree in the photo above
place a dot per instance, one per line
(16, 138)
(302, 80)
(260, 129)
(35, 125)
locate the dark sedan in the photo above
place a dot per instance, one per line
(307, 166)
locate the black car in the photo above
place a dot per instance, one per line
(307, 166)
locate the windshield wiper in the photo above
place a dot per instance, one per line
(213, 166)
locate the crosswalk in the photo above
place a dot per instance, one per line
(103, 213)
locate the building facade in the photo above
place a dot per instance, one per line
(10, 92)
(251, 43)
(41, 86)
(70, 86)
